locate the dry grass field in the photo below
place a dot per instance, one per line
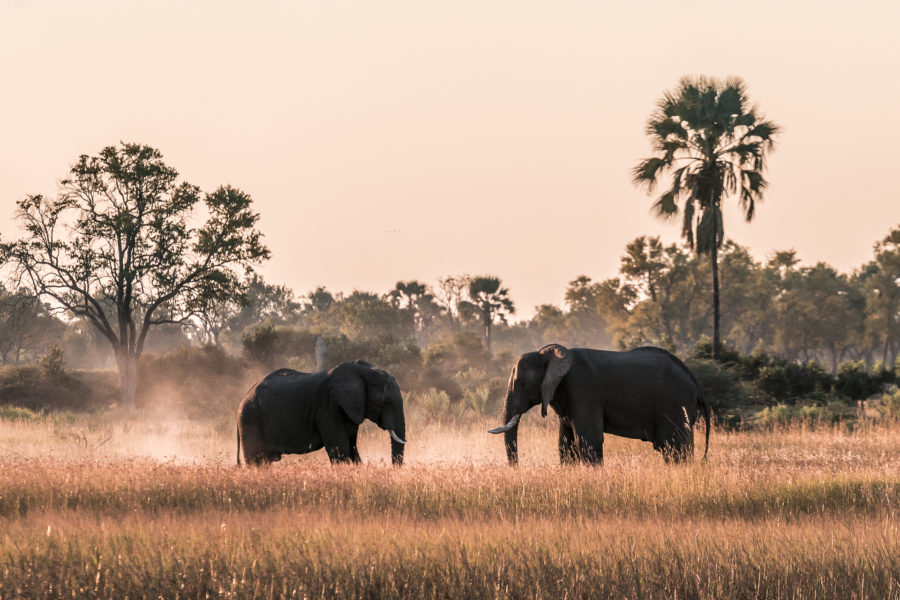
(112, 507)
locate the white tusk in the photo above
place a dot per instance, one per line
(396, 437)
(512, 423)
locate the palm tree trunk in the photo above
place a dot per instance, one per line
(714, 257)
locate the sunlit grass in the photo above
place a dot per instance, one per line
(143, 507)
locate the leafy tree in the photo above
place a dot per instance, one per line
(260, 302)
(641, 264)
(711, 140)
(117, 246)
(883, 297)
(675, 318)
(218, 301)
(366, 316)
(448, 294)
(415, 298)
(489, 301)
(26, 325)
(406, 294)
(748, 293)
(819, 313)
(319, 300)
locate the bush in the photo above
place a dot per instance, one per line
(786, 382)
(17, 413)
(856, 384)
(778, 415)
(721, 385)
(269, 348)
(32, 388)
(433, 404)
(197, 381)
(272, 347)
(52, 363)
(702, 350)
(813, 415)
(890, 405)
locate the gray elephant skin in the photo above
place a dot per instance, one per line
(646, 394)
(289, 412)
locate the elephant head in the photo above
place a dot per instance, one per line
(364, 392)
(533, 381)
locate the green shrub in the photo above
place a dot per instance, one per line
(856, 384)
(787, 382)
(772, 416)
(17, 413)
(812, 414)
(52, 363)
(702, 350)
(890, 405)
(721, 385)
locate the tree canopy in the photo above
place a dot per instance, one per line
(712, 143)
(118, 246)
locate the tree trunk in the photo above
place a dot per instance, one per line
(321, 354)
(714, 257)
(127, 379)
(487, 332)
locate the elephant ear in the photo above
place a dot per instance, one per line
(558, 363)
(376, 384)
(348, 390)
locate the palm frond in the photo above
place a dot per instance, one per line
(665, 206)
(647, 171)
(710, 124)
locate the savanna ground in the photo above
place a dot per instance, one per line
(117, 506)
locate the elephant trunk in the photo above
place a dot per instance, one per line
(511, 438)
(510, 431)
(398, 443)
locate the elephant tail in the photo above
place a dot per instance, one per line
(701, 400)
(238, 428)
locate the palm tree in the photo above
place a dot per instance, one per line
(713, 143)
(489, 301)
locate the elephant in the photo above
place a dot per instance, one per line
(646, 394)
(289, 412)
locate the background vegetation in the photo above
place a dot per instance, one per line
(798, 341)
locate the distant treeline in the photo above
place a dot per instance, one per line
(793, 330)
(660, 296)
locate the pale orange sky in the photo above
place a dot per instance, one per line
(421, 139)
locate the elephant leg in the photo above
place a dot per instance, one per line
(590, 451)
(674, 438)
(354, 451)
(568, 450)
(338, 452)
(338, 435)
(252, 445)
(338, 442)
(587, 424)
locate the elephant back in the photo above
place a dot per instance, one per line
(287, 401)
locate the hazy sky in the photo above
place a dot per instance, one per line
(418, 139)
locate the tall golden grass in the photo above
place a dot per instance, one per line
(141, 508)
